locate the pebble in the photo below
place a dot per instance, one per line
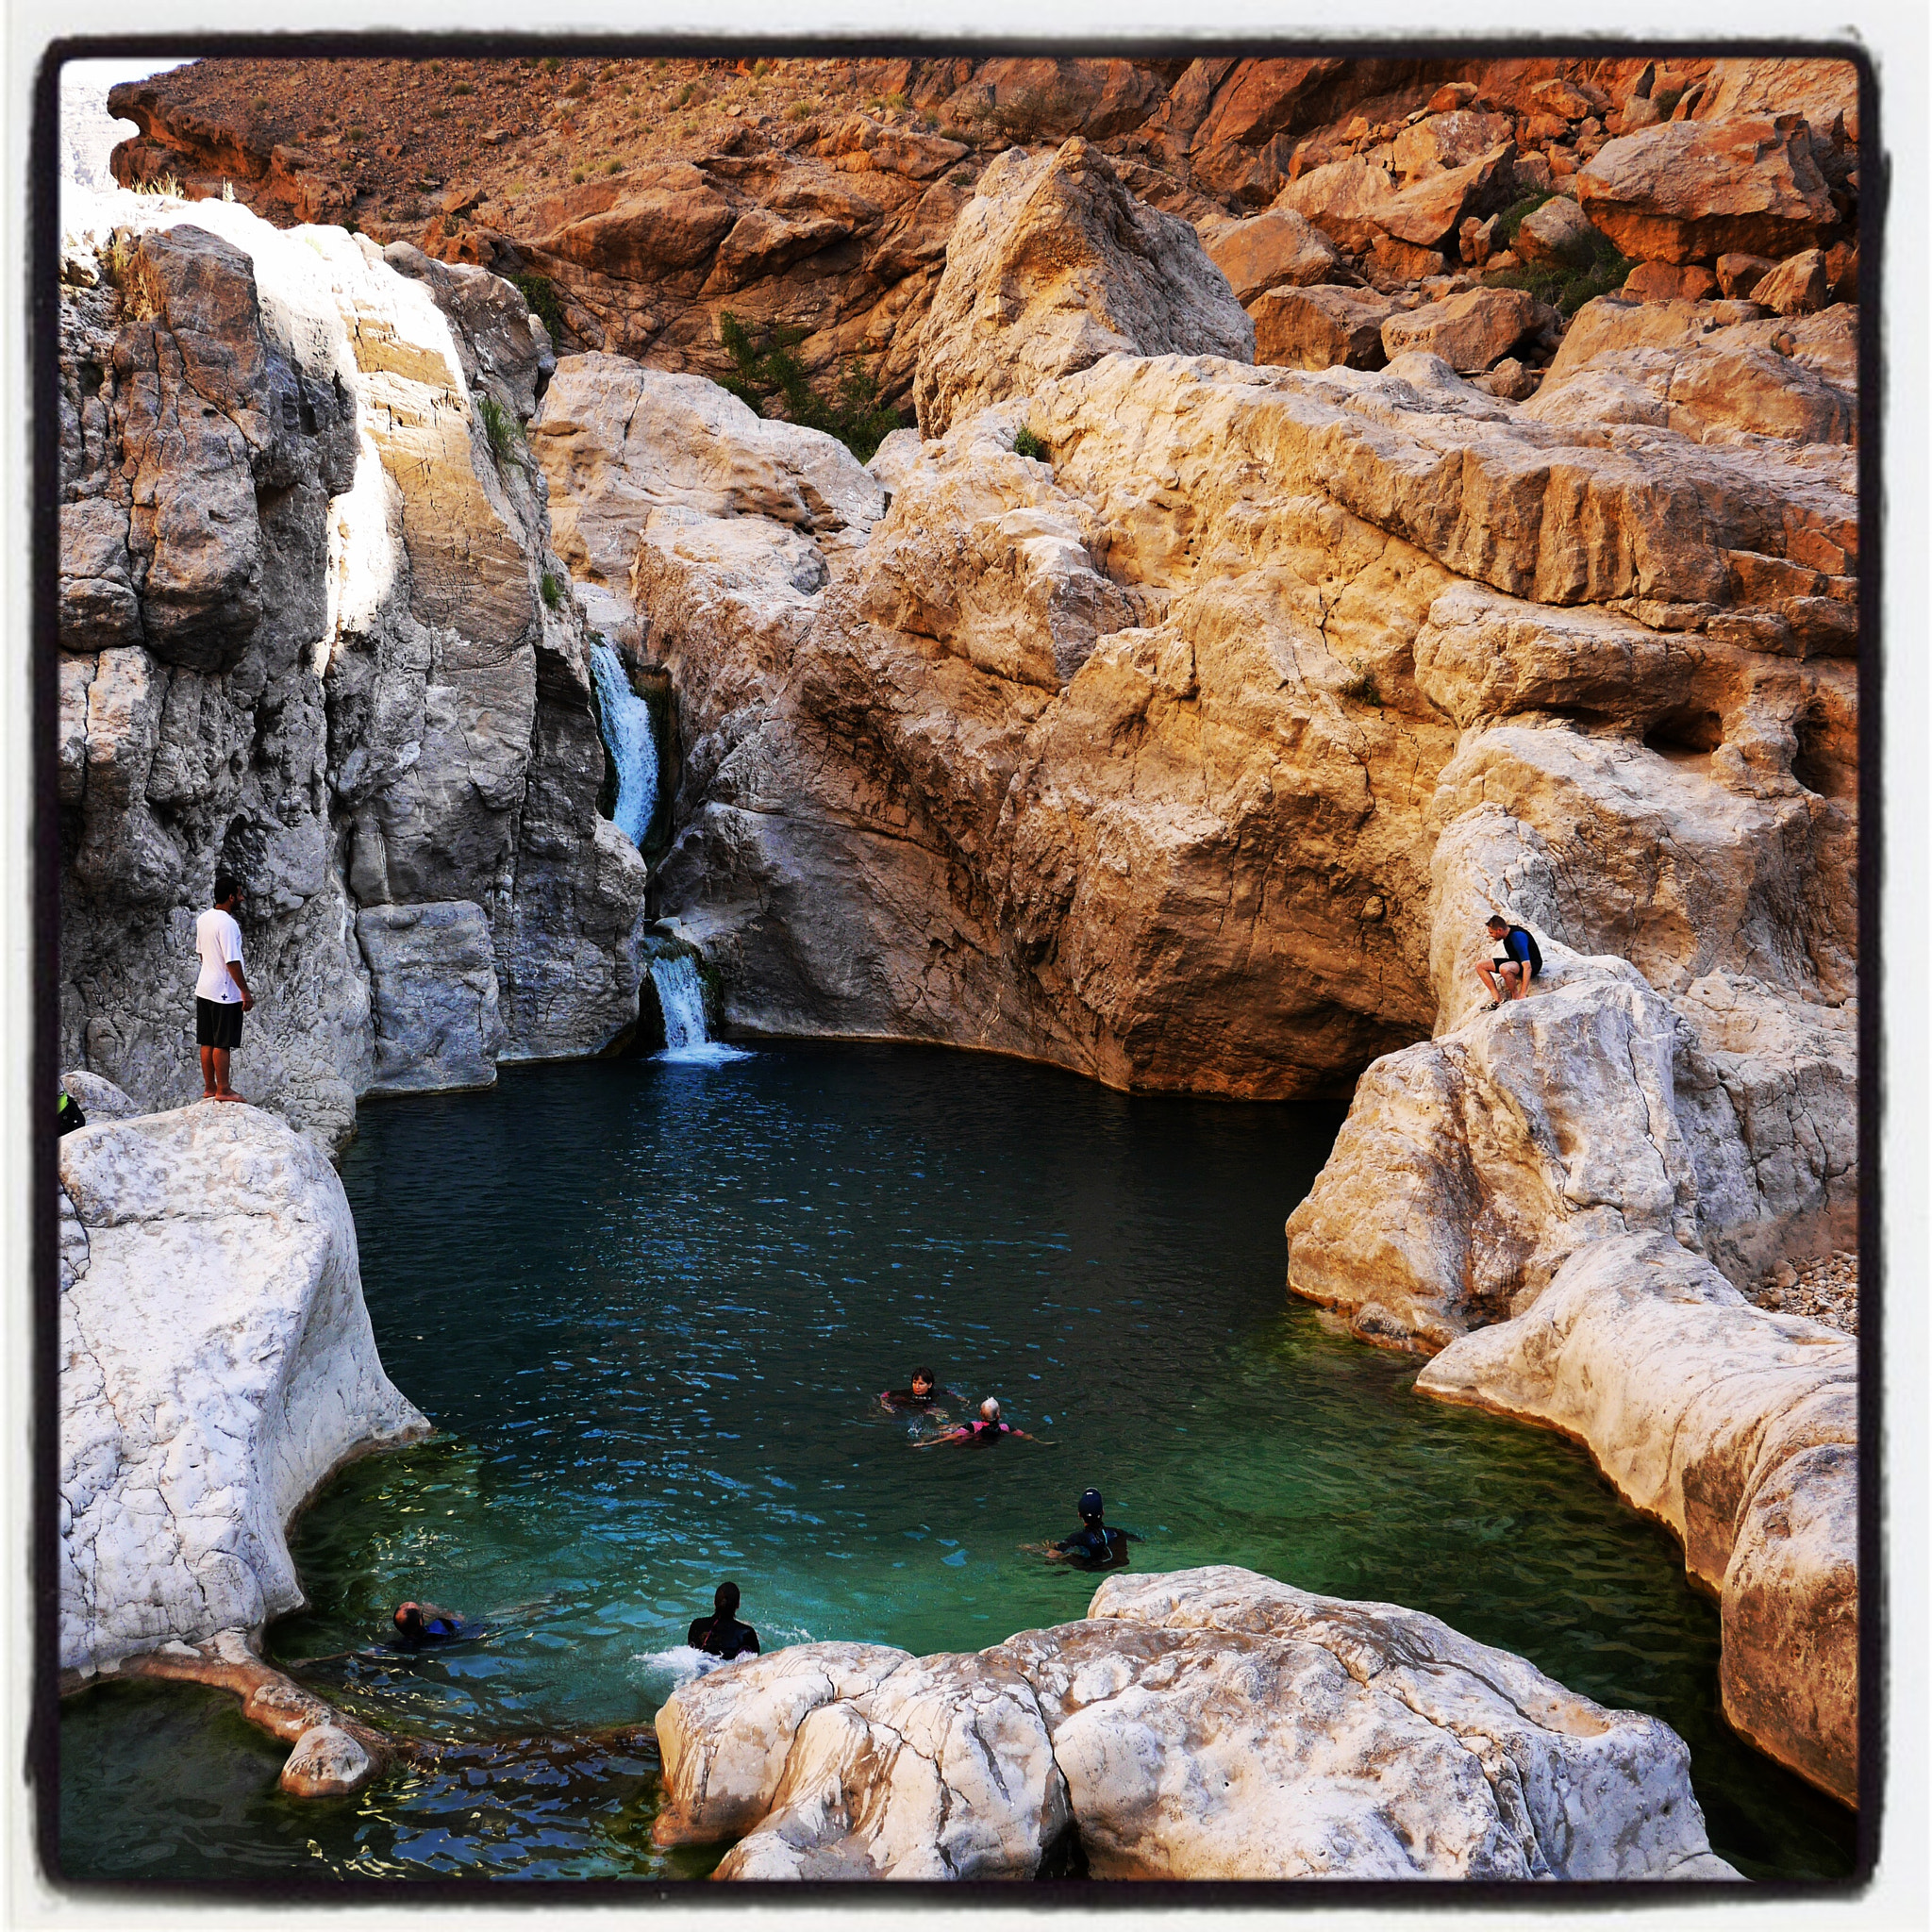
(1826, 1291)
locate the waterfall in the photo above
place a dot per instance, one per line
(627, 735)
(682, 999)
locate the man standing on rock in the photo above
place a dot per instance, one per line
(221, 993)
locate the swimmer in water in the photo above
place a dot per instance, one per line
(419, 1624)
(987, 1428)
(1093, 1545)
(720, 1634)
(922, 1397)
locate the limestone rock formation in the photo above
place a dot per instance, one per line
(1736, 1428)
(823, 194)
(216, 1364)
(1207, 1723)
(618, 442)
(1691, 191)
(1322, 327)
(1474, 1165)
(981, 780)
(1278, 249)
(306, 639)
(1471, 332)
(1054, 265)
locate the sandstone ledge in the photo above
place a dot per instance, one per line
(1737, 1429)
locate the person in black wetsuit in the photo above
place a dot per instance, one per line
(1093, 1545)
(720, 1634)
(987, 1428)
(420, 1623)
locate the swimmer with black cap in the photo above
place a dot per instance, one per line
(1093, 1545)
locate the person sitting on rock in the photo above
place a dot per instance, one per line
(1093, 1545)
(987, 1428)
(420, 1623)
(923, 1395)
(720, 1634)
(1507, 977)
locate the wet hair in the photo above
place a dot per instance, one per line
(924, 1375)
(409, 1619)
(226, 886)
(725, 1600)
(1496, 919)
(990, 1409)
(1090, 1506)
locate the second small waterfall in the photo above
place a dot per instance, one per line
(632, 744)
(681, 998)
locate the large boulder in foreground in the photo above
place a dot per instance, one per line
(1691, 191)
(216, 1364)
(1207, 1723)
(1736, 1429)
(1054, 265)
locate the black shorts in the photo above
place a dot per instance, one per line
(1499, 964)
(218, 1023)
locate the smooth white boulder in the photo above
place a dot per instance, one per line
(1205, 1723)
(216, 1364)
(1735, 1428)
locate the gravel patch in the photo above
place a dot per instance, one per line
(1826, 1291)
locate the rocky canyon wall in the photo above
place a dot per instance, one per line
(312, 633)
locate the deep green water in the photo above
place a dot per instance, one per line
(648, 1305)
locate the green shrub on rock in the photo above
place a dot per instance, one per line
(766, 369)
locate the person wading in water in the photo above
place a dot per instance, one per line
(720, 1634)
(221, 993)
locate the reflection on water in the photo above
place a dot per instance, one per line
(651, 1306)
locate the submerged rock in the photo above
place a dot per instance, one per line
(217, 1364)
(1736, 1428)
(1208, 1724)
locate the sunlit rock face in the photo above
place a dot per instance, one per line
(1736, 1429)
(1203, 1723)
(306, 639)
(216, 1364)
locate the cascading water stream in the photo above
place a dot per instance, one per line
(681, 998)
(633, 747)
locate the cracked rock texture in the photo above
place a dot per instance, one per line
(1187, 757)
(1739, 1430)
(1206, 1723)
(304, 639)
(216, 1364)
(1053, 266)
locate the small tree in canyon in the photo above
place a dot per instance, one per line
(766, 369)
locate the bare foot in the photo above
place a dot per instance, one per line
(229, 1096)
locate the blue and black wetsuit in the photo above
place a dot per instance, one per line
(1095, 1546)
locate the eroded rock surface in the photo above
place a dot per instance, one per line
(216, 1364)
(307, 639)
(1054, 265)
(1735, 1428)
(1207, 1723)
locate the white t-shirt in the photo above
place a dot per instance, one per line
(218, 940)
